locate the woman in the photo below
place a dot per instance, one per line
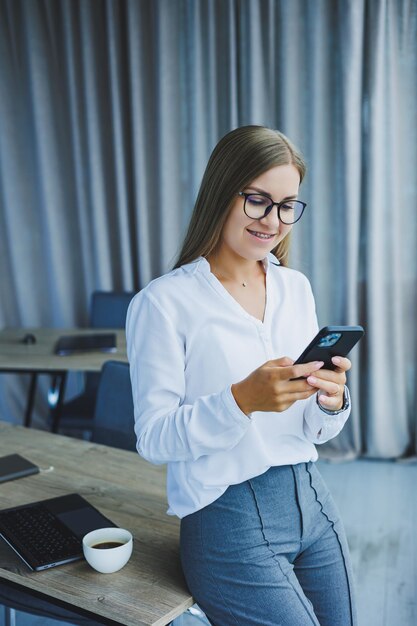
(211, 347)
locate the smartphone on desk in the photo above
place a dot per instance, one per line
(331, 341)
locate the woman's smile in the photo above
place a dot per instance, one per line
(260, 235)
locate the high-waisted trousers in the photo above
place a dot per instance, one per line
(270, 551)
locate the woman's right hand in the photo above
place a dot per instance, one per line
(270, 388)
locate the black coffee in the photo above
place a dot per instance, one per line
(105, 545)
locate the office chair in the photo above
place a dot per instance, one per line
(113, 423)
(108, 310)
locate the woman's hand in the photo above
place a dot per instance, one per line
(271, 388)
(331, 384)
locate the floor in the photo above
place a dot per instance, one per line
(378, 503)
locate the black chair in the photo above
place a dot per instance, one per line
(113, 423)
(108, 310)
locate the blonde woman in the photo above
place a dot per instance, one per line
(211, 347)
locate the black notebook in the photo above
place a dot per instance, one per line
(49, 533)
(102, 342)
(15, 466)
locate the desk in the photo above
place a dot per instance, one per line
(150, 589)
(39, 358)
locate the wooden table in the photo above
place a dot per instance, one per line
(150, 589)
(39, 358)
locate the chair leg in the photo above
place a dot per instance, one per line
(60, 382)
(31, 399)
(192, 616)
(9, 616)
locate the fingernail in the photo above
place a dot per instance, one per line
(311, 380)
(336, 360)
(318, 364)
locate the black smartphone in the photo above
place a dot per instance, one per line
(331, 341)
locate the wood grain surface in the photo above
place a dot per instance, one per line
(39, 356)
(150, 589)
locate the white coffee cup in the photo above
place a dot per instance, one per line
(102, 555)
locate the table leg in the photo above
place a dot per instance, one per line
(31, 399)
(61, 379)
(9, 616)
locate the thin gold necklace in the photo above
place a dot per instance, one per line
(243, 283)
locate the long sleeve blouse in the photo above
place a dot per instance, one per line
(188, 341)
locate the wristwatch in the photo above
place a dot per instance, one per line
(346, 403)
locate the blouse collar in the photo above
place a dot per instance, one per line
(203, 265)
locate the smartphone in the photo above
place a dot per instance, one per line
(331, 341)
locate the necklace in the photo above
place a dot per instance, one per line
(242, 283)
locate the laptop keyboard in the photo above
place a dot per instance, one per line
(40, 533)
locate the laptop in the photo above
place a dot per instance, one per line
(100, 342)
(48, 533)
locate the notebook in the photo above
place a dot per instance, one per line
(101, 342)
(15, 466)
(49, 532)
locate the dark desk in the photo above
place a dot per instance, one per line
(150, 589)
(39, 358)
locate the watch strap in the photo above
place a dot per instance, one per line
(346, 404)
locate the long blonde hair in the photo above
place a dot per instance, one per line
(240, 156)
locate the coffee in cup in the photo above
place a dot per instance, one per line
(108, 549)
(105, 545)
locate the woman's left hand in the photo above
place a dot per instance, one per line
(331, 383)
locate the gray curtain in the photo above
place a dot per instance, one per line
(109, 111)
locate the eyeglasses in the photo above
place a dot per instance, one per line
(258, 206)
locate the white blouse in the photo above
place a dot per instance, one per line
(188, 340)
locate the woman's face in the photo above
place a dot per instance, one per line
(253, 239)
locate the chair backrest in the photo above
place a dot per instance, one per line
(109, 308)
(113, 416)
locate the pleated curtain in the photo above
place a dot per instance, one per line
(109, 111)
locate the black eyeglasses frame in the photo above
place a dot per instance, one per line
(269, 208)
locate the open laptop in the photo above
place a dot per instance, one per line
(49, 532)
(96, 342)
